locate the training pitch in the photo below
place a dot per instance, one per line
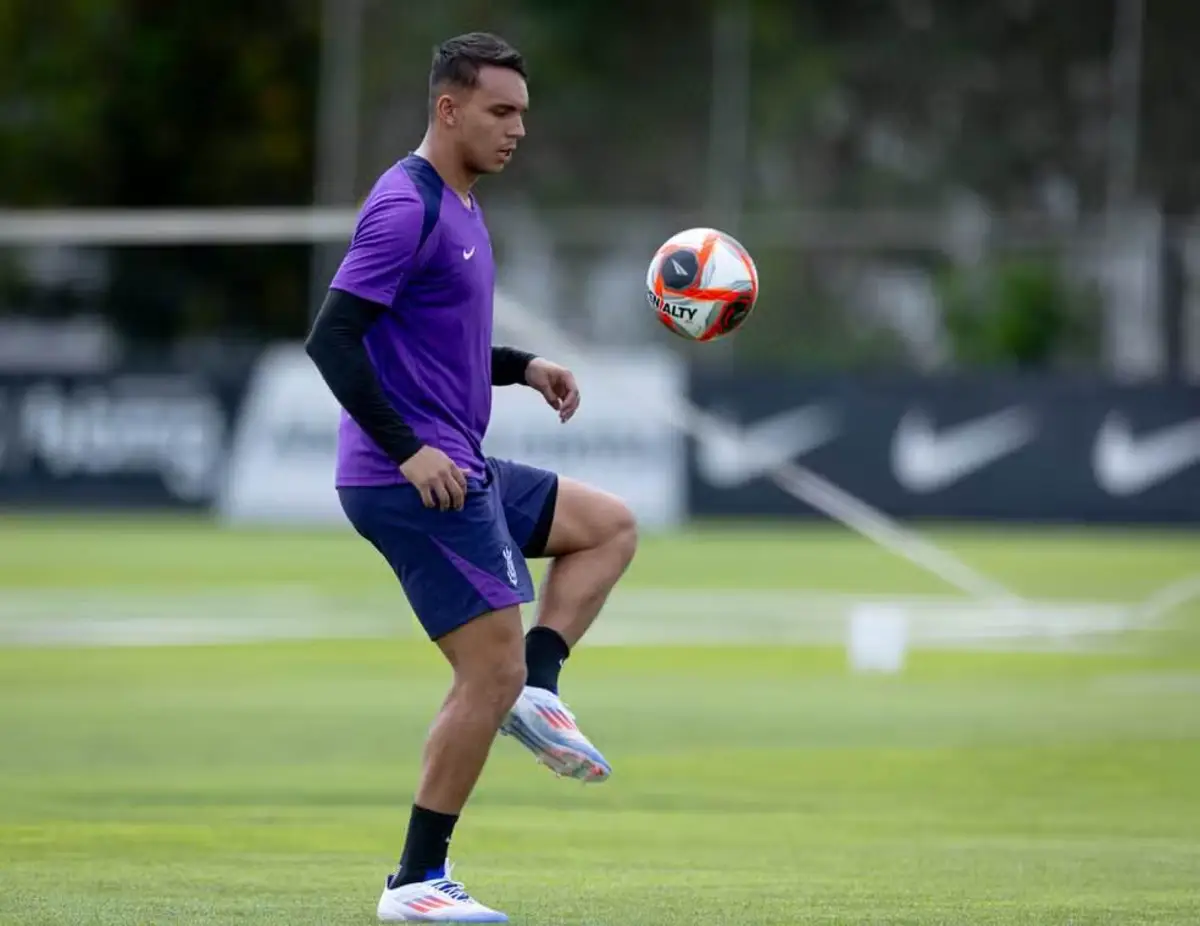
(203, 726)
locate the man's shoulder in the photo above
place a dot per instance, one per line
(403, 201)
(393, 191)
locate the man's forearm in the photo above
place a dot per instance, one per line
(336, 347)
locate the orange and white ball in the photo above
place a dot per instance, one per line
(702, 284)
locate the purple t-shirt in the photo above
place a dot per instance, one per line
(421, 252)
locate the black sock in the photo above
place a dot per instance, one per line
(425, 846)
(545, 653)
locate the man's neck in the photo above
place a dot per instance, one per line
(449, 168)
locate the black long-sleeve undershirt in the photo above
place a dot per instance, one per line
(335, 345)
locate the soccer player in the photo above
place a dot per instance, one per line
(404, 342)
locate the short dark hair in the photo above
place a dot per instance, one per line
(458, 60)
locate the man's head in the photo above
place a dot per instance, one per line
(478, 98)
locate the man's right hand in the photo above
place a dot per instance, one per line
(441, 483)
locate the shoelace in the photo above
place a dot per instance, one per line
(453, 889)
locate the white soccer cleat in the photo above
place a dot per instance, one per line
(438, 901)
(546, 727)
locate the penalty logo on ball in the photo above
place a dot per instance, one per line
(702, 284)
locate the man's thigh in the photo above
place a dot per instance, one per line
(452, 565)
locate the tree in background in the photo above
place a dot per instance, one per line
(137, 103)
(855, 103)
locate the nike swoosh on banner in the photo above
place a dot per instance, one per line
(925, 460)
(755, 450)
(1128, 465)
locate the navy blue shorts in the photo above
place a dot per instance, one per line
(457, 565)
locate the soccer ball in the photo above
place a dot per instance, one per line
(702, 284)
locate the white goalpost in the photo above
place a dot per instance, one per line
(994, 609)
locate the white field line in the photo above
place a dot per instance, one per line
(679, 413)
(633, 617)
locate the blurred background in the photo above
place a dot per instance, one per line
(976, 356)
(925, 187)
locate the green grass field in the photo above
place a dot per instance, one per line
(762, 783)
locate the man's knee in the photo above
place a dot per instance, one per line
(496, 684)
(488, 659)
(615, 528)
(624, 531)
(588, 518)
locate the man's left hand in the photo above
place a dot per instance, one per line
(556, 384)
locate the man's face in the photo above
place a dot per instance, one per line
(490, 119)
